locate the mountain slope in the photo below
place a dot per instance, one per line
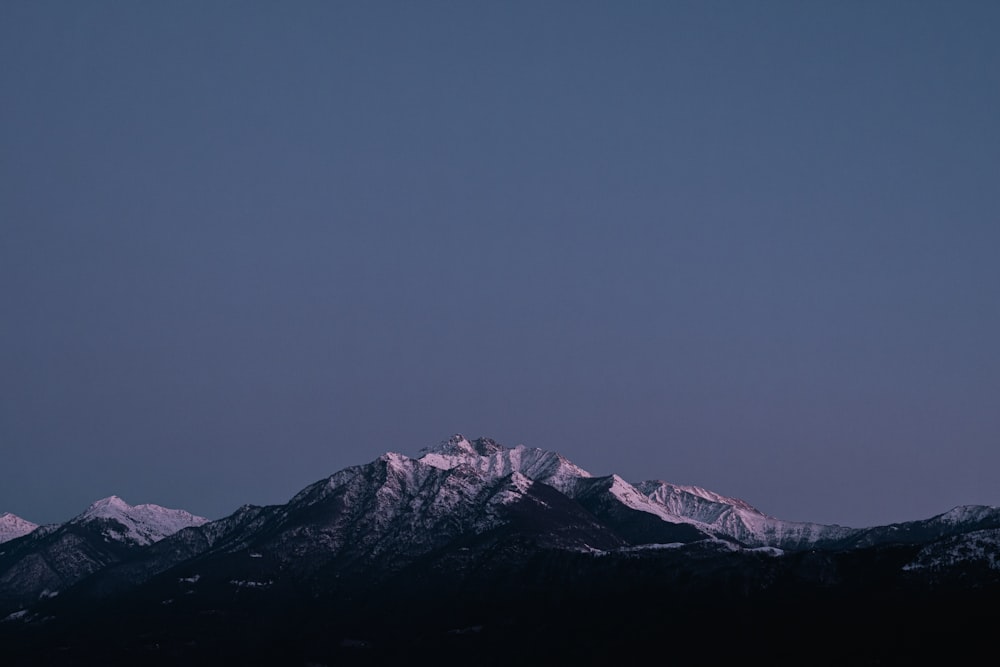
(51, 559)
(376, 519)
(738, 520)
(957, 521)
(138, 524)
(460, 505)
(675, 513)
(13, 527)
(473, 544)
(975, 553)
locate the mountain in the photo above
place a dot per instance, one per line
(494, 460)
(136, 525)
(455, 503)
(704, 513)
(957, 521)
(473, 547)
(13, 526)
(654, 510)
(979, 549)
(48, 560)
(374, 519)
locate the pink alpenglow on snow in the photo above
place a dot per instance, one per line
(13, 527)
(138, 524)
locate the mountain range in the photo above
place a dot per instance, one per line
(467, 533)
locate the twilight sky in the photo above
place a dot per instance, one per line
(748, 246)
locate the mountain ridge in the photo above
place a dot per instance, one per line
(472, 530)
(708, 512)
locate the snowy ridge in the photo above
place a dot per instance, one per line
(138, 524)
(705, 510)
(966, 513)
(981, 547)
(736, 518)
(13, 527)
(632, 497)
(495, 460)
(680, 499)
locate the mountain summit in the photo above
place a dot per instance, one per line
(46, 561)
(494, 460)
(13, 526)
(138, 524)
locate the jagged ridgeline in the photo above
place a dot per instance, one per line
(472, 548)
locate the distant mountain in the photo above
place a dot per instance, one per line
(135, 525)
(46, 561)
(957, 521)
(470, 529)
(13, 526)
(978, 548)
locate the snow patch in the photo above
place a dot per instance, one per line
(496, 461)
(245, 583)
(653, 547)
(16, 616)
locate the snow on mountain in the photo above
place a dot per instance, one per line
(13, 527)
(684, 500)
(397, 508)
(736, 518)
(464, 506)
(964, 514)
(495, 460)
(138, 524)
(399, 501)
(632, 497)
(54, 558)
(370, 520)
(962, 519)
(981, 547)
(705, 510)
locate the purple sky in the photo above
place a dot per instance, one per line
(749, 246)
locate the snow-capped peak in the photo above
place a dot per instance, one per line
(13, 527)
(139, 524)
(494, 460)
(394, 459)
(105, 508)
(459, 445)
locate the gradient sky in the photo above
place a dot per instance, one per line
(753, 246)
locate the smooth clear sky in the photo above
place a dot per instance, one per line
(753, 246)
